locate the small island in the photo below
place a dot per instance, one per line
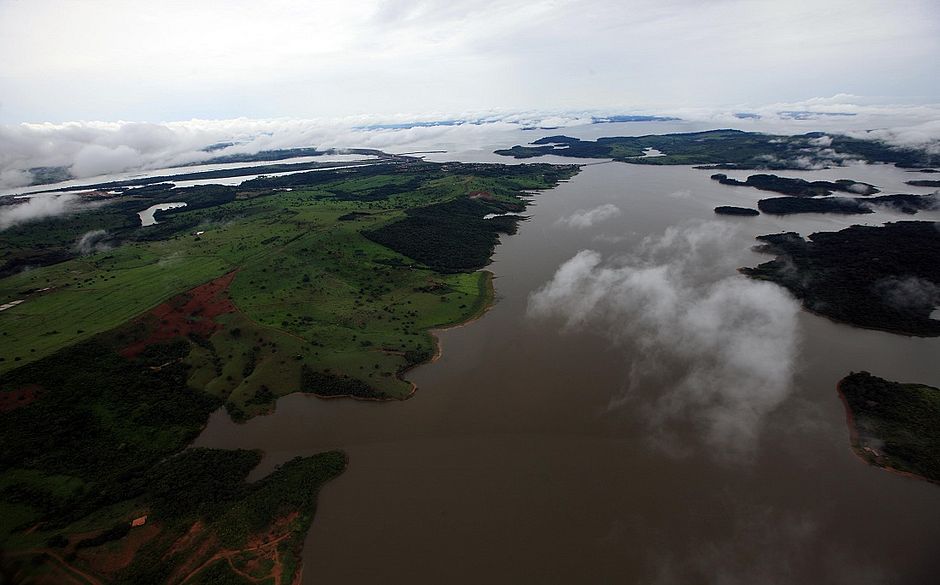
(885, 278)
(904, 203)
(924, 183)
(798, 187)
(792, 205)
(732, 210)
(892, 425)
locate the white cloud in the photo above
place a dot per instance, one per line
(718, 350)
(36, 208)
(585, 218)
(220, 59)
(922, 135)
(91, 148)
(14, 177)
(95, 160)
(92, 241)
(909, 293)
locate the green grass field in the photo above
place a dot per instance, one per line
(310, 288)
(114, 360)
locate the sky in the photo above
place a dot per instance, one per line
(160, 61)
(105, 86)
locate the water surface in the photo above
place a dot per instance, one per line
(147, 216)
(519, 461)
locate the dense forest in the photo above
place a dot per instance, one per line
(885, 277)
(134, 342)
(732, 210)
(99, 431)
(798, 187)
(896, 425)
(448, 237)
(903, 203)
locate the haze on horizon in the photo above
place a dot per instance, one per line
(164, 61)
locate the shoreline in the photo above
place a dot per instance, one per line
(857, 448)
(488, 300)
(833, 319)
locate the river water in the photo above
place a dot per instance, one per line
(539, 452)
(147, 216)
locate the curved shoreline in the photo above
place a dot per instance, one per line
(831, 319)
(488, 300)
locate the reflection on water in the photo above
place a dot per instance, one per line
(147, 215)
(529, 453)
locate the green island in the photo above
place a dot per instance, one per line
(728, 149)
(904, 203)
(924, 183)
(732, 210)
(813, 196)
(115, 349)
(885, 277)
(797, 187)
(892, 425)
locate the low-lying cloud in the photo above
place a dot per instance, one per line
(706, 351)
(88, 148)
(91, 242)
(35, 208)
(909, 293)
(585, 218)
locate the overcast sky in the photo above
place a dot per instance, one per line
(166, 60)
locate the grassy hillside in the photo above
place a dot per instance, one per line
(114, 359)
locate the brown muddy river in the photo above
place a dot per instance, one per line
(661, 420)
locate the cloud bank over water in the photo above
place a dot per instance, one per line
(89, 149)
(705, 350)
(585, 218)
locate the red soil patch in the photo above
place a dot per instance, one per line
(113, 558)
(14, 399)
(191, 313)
(191, 565)
(187, 540)
(57, 571)
(258, 548)
(480, 195)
